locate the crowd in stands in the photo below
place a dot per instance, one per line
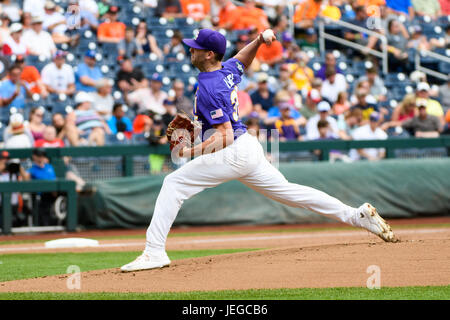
(90, 73)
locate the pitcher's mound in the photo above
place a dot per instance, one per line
(410, 263)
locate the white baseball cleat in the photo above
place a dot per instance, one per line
(147, 261)
(370, 220)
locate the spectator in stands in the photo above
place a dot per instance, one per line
(310, 108)
(262, 98)
(444, 94)
(43, 170)
(402, 7)
(88, 73)
(58, 76)
(118, 122)
(13, 91)
(129, 78)
(65, 131)
(14, 45)
(182, 103)
(445, 7)
(102, 99)
(333, 85)
(240, 43)
(397, 46)
(370, 131)
(364, 104)
(286, 126)
(36, 124)
(129, 46)
(306, 12)
(423, 125)
(91, 127)
(301, 74)
(330, 61)
(270, 55)
(348, 123)
(142, 124)
(49, 139)
(196, 9)
(282, 99)
(103, 8)
(431, 8)
(12, 171)
(360, 21)
(284, 79)
(406, 109)
(169, 9)
(342, 105)
(149, 98)
(16, 136)
(112, 30)
(312, 131)
(26, 21)
(377, 88)
(434, 108)
(89, 14)
(309, 43)
(171, 112)
(175, 46)
(4, 27)
(34, 7)
(55, 23)
(31, 78)
(418, 40)
(38, 41)
(146, 40)
(12, 9)
(226, 15)
(250, 16)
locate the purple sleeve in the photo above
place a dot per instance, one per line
(213, 110)
(235, 66)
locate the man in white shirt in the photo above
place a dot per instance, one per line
(312, 131)
(39, 42)
(150, 99)
(334, 84)
(35, 7)
(55, 23)
(58, 76)
(370, 131)
(103, 101)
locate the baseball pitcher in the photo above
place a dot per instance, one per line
(228, 152)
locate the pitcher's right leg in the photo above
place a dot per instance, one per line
(267, 180)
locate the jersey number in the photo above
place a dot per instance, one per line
(235, 104)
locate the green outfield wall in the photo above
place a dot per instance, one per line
(398, 188)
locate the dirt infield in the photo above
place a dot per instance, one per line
(338, 258)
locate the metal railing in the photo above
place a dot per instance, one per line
(323, 35)
(426, 53)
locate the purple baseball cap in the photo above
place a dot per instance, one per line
(208, 39)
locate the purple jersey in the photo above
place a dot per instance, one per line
(216, 99)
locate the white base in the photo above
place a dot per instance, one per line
(71, 243)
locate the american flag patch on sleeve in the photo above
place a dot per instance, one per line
(216, 114)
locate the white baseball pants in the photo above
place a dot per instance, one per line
(244, 160)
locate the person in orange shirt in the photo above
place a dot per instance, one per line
(195, 9)
(112, 31)
(226, 14)
(250, 16)
(270, 54)
(32, 78)
(306, 12)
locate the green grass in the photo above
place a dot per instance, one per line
(406, 293)
(141, 236)
(24, 266)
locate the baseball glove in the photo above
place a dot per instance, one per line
(181, 130)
